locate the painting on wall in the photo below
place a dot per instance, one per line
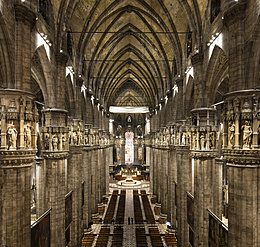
(40, 232)
(223, 236)
(68, 210)
(82, 194)
(176, 193)
(213, 229)
(191, 237)
(67, 236)
(118, 153)
(140, 153)
(218, 233)
(190, 210)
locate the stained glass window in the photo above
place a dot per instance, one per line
(129, 147)
(215, 9)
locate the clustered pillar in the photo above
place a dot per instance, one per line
(241, 117)
(18, 148)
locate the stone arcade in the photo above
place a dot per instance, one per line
(192, 67)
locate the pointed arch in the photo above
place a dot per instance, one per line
(189, 97)
(70, 96)
(41, 68)
(217, 70)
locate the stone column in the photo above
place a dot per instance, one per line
(243, 161)
(122, 150)
(158, 174)
(180, 99)
(55, 143)
(111, 126)
(154, 171)
(164, 179)
(197, 61)
(79, 83)
(204, 151)
(100, 178)
(148, 155)
(151, 169)
(92, 181)
(217, 187)
(61, 60)
(87, 186)
(108, 162)
(172, 171)
(184, 186)
(89, 109)
(75, 178)
(41, 206)
(96, 114)
(234, 20)
(184, 178)
(18, 127)
(25, 21)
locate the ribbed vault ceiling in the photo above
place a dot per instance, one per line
(131, 50)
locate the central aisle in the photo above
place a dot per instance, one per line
(129, 237)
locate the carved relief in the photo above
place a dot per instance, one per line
(242, 132)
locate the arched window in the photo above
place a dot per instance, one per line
(69, 45)
(129, 119)
(215, 9)
(44, 9)
(189, 43)
(119, 119)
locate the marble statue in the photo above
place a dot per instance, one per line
(202, 142)
(55, 142)
(12, 136)
(247, 132)
(231, 130)
(27, 136)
